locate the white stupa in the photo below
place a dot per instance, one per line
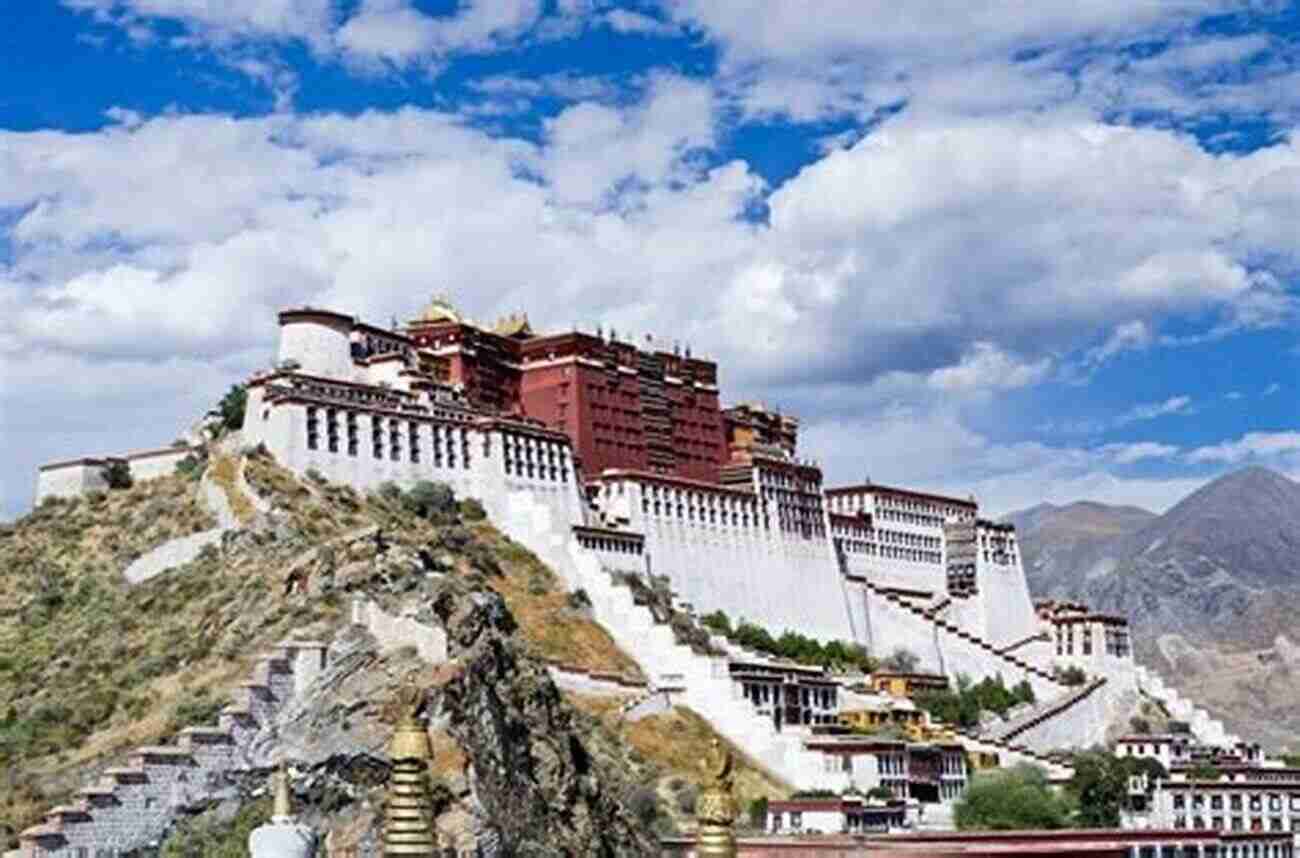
(284, 836)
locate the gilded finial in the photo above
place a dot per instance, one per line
(408, 819)
(282, 808)
(715, 809)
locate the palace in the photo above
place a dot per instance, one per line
(613, 460)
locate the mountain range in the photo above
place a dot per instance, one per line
(1210, 588)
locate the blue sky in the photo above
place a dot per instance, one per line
(1042, 251)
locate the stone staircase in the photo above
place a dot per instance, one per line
(1205, 727)
(132, 806)
(1008, 731)
(1040, 636)
(1016, 666)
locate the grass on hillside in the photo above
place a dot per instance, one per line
(555, 627)
(674, 743)
(91, 667)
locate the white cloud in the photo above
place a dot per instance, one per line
(853, 56)
(1252, 445)
(1271, 389)
(986, 367)
(394, 31)
(308, 20)
(1152, 410)
(1129, 336)
(626, 21)
(922, 261)
(1127, 454)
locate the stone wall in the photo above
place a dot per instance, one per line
(131, 807)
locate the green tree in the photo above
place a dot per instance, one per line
(719, 623)
(1203, 771)
(1099, 787)
(231, 408)
(1009, 799)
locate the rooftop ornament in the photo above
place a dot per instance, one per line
(715, 809)
(408, 814)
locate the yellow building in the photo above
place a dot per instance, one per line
(907, 684)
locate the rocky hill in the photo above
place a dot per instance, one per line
(1210, 587)
(92, 666)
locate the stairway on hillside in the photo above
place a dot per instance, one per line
(132, 806)
(1205, 727)
(1004, 659)
(1007, 731)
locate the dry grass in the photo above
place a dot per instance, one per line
(225, 473)
(553, 630)
(679, 739)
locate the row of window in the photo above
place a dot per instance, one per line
(611, 546)
(390, 438)
(1235, 802)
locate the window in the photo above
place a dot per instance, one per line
(313, 428)
(414, 443)
(352, 433)
(377, 436)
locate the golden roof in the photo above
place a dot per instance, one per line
(514, 325)
(439, 309)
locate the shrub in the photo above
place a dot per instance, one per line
(190, 467)
(117, 474)
(433, 501)
(757, 812)
(1071, 675)
(880, 793)
(644, 805)
(472, 510)
(579, 600)
(1011, 799)
(315, 476)
(1139, 725)
(686, 798)
(901, 660)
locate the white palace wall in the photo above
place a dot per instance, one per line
(777, 579)
(1004, 596)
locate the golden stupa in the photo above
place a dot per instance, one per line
(408, 814)
(715, 809)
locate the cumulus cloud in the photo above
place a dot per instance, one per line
(986, 367)
(923, 261)
(394, 31)
(949, 57)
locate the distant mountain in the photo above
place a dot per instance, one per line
(1060, 542)
(1211, 587)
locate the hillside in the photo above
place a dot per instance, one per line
(91, 667)
(1210, 587)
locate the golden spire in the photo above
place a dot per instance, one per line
(281, 809)
(715, 809)
(408, 817)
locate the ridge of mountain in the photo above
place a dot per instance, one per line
(1210, 587)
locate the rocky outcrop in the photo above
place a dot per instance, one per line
(540, 788)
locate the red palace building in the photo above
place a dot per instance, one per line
(623, 407)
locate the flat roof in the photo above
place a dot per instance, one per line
(866, 488)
